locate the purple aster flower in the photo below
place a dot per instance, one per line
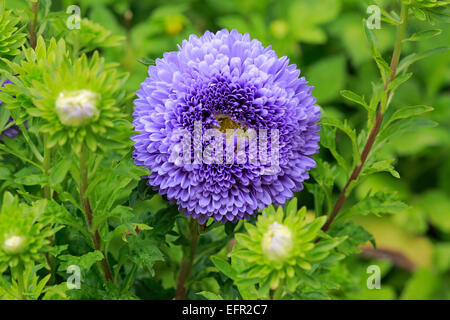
(12, 131)
(225, 81)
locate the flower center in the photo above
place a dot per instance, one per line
(226, 123)
(76, 108)
(277, 242)
(14, 244)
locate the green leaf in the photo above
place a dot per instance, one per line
(400, 127)
(209, 295)
(148, 62)
(144, 252)
(409, 60)
(355, 236)
(407, 112)
(380, 166)
(377, 204)
(4, 117)
(291, 209)
(344, 127)
(399, 80)
(354, 97)
(85, 261)
(247, 281)
(248, 292)
(418, 13)
(31, 180)
(371, 38)
(224, 267)
(383, 66)
(310, 232)
(328, 140)
(424, 34)
(58, 173)
(5, 173)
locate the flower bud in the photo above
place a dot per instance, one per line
(14, 244)
(76, 108)
(277, 241)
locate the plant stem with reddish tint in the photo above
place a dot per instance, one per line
(378, 120)
(187, 262)
(84, 162)
(33, 24)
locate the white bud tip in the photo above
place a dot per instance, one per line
(277, 241)
(14, 244)
(76, 108)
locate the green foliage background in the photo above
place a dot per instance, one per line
(326, 40)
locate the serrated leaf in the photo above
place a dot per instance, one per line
(356, 235)
(144, 252)
(377, 204)
(85, 261)
(380, 166)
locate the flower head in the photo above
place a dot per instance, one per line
(281, 246)
(77, 101)
(23, 232)
(219, 89)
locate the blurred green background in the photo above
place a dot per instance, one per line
(325, 39)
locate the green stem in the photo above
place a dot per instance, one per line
(187, 262)
(19, 269)
(33, 24)
(401, 30)
(86, 205)
(46, 163)
(46, 166)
